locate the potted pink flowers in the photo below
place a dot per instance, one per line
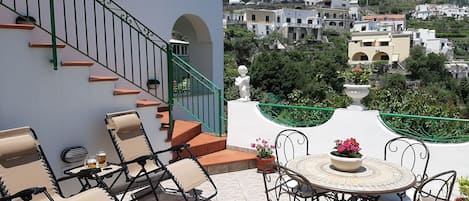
(265, 158)
(346, 155)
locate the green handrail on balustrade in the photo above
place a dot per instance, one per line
(428, 128)
(296, 116)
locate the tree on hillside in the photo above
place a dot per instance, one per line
(241, 42)
(428, 68)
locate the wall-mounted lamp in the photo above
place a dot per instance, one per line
(153, 83)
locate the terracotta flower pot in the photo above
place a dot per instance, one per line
(265, 164)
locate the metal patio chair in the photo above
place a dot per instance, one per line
(410, 153)
(142, 165)
(25, 173)
(290, 143)
(289, 184)
(436, 188)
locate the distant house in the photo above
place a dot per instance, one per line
(294, 24)
(427, 38)
(336, 19)
(458, 69)
(368, 47)
(425, 11)
(394, 23)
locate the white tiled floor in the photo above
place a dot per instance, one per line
(246, 185)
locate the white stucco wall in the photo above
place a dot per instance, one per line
(161, 15)
(246, 123)
(62, 106)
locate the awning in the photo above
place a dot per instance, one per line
(395, 57)
(384, 40)
(368, 40)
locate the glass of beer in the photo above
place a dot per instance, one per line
(90, 162)
(102, 159)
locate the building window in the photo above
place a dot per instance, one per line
(384, 43)
(319, 14)
(254, 27)
(341, 24)
(367, 44)
(267, 19)
(253, 17)
(326, 15)
(310, 21)
(332, 23)
(288, 20)
(334, 15)
(363, 58)
(298, 21)
(267, 27)
(363, 28)
(417, 35)
(278, 19)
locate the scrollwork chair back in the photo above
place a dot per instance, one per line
(436, 188)
(410, 153)
(289, 144)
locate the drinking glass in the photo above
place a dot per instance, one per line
(90, 162)
(102, 159)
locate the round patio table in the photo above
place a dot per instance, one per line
(373, 178)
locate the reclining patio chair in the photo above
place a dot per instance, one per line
(25, 172)
(140, 162)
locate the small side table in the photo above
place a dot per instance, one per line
(106, 172)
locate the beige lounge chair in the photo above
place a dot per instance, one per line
(140, 161)
(25, 173)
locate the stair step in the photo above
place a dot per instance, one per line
(77, 63)
(95, 78)
(228, 161)
(147, 103)
(206, 143)
(118, 92)
(17, 26)
(163, 108)
(45, 45)
(163, 116)
(185, 131)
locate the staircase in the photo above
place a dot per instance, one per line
(209, 148)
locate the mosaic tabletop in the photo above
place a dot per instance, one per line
(375, 176)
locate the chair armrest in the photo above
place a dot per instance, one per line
(85, 173)
(27, 194)
(174, 148)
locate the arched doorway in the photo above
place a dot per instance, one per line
(360, 56)
(381, 56)
(193, 30)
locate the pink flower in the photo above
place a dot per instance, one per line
(253, 145)
(357, 69)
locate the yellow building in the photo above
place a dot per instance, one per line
(368, 47)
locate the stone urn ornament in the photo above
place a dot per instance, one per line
(360, 87)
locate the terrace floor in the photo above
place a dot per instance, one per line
(245, 185)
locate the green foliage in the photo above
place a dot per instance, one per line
(393, 100)
(463, 186)
(428, 68)
(394, 81)
(241, 42)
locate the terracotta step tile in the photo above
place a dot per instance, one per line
(206, 143)
(95, 78)
(164, 117)
(147, 103)
(163, 108)
(225, 157)
(185, 131)
(45, 45)
(118, 92)
(17, 26)
(77, 63)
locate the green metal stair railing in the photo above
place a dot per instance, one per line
(113, 38)
(427, 128)
(296, 116)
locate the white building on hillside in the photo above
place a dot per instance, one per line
(427, 38)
